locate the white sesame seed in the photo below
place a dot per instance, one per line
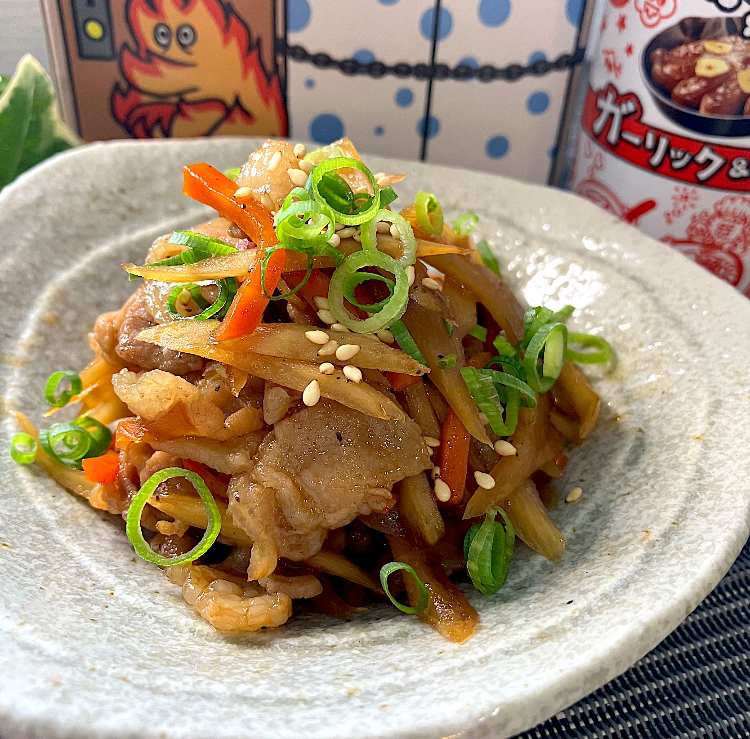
(267, 201)
(485, 481)
(326, 316)
(394, 231)
(321, 302)
(505, 448)
(385, 336)
(318, 337)
(483, 418)
(299, 150)
(335, 241)
(410, 274)
(352, 373)
(275, 159)
(327, 368)
(242, 192)
(378, 175)
(435, 472)
(430, 284)
(382, 227)
(573, 495)
(297, 176)
(347, 351)
(431, 441)
(357, 236)
(340, 226)
(442, 491)
(348, 232)
(328, 348)
(384, 182)
(306, 166)
(311, 394)
(340, 327)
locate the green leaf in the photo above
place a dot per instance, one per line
(30, 125)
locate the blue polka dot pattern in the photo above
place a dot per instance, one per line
(298, 14)
(379, 130)
(309, 83)
(537, 56)
(364, 56)
(537, 102)
(497, 147)
(470, 61)
(431, 128)
(325, 128)
(444, 26)
(404, 97)
(494, 13)
(574, 11)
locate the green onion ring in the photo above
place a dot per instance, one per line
(465, 223)
(66, 443)
(359, 278)
(405, 234)
(23, 448)
(336, 192)
(488, 257)
(387, 196)
(550, 338)
(429, 213)
(488, 550)
(331, 165)
(133, 525)
(478, 332)
(387, 570)
(485, 395)
(217, 309)
(325, 152)
(447, 362)
(394, 307)
(406, 342)
(202, 242)
(511, 381)
(300, 224)
(562, 315)
(294, 290)
(449, 327)
(601, 356)
(101, 435)
(503, 346)
(53, 382)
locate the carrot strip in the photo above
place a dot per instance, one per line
(128, 431)
(102, 469)
(400, 381)
(454, 456)
(209, 186)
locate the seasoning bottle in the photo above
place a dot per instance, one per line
(663, 132)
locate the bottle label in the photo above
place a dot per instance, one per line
(665, 140)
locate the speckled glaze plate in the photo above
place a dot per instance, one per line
(94, 643)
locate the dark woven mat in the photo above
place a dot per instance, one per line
(694, 685)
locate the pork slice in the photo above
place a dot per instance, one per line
(149, 356)
(319, 469)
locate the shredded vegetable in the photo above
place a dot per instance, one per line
(429, 213)
(53, 385)
(488, 550)
(387, 570)
(23, 448)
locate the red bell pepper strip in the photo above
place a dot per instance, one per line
(207, 185)
(316, 286)
(454, 456)
(102, 469)
(400, 381)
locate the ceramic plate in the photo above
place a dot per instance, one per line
(95, 643)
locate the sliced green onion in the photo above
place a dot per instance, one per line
(503, 346)
(52, 386)
(387, 196)
(488, 257)
(232, 173)
(23, 448)
(533, 319)
(405, 234)
(447, 362)
(394, 306)
(479, 332)
(511, 381)
(133, 525)
(325, 152)
(302, 223)
(359, 278)
(406, 342)
(387, 570)
(336, 192)
(331, 165)
(488, 550)
(449, 327)
(509, 364)
(217, 309)
(600, 356)
(72, 442)
(465, 223)
(429, 213)
(551, 339)
(562, 315)
(202, 242)
(484, 392)
(189, 256)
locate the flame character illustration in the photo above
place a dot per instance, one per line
(196, 71)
